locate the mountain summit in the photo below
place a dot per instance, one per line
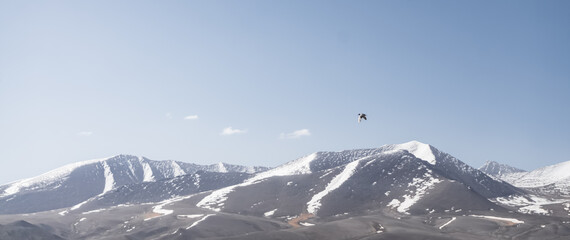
(499, 170)
(420, 150)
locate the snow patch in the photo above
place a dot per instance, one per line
(529, 204)
(270, 213)
(77, 206)
(306, 224)
(199, 221)
(197, 182)
(422, 186)
(394, 203)
(130, 164)
(189, 216)
(159, 209)
(177, 169)
(447, 223)
(222, 168)
(216, 200)
(510, 220)
(315, 203)
(147, 171)
(109, 178)
(80, 220)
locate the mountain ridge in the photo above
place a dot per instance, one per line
(75, 183)
(326, 163)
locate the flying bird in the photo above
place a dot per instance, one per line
(361, 116)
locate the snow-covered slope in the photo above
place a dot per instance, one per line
(399, 191)
(305, 165)
(552, 179)
(161, 190)
(558, 174)
(77, 182)
(398, 176)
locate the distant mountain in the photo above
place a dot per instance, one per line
(75, 183)
(554, 179)
(499, 170)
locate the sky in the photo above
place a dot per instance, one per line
(266, 82)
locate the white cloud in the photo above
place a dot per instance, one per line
(85, 134)
(169, 115)
(191, 117)
(231, 131)
(295, 134)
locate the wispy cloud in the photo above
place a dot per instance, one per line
(295, 134)
(169, 115)
(85, 134)
(191, 117)
(232, 131)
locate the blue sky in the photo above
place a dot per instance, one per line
(484, 80)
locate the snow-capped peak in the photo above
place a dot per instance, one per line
(497, 169)
(420, 150)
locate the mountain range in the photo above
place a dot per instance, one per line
(75, 183)
(398, 191)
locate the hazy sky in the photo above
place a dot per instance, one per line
(266, 82)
